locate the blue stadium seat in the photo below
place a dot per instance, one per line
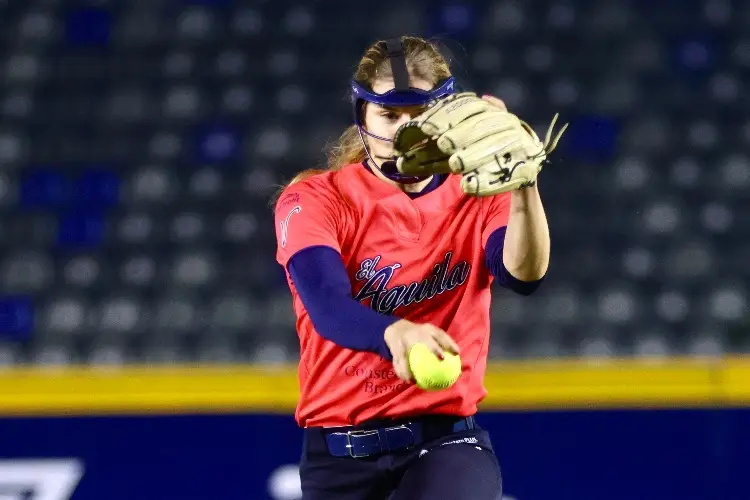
(97, 188)
(81, 229)
(89, 27)
(46, 188)
(16, 317)
(217, 144)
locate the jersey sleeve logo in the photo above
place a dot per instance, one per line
(284, 224)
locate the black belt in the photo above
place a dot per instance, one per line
(369, 439)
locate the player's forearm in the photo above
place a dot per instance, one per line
(527, 242)
(320, 278)
(494, 260)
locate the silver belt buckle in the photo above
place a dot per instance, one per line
(349, 445)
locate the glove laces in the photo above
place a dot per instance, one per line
(550, 143)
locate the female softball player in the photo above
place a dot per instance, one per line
(378, 260)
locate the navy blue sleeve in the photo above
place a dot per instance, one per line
(319, 275)
(493, 254)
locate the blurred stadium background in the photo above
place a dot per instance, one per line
(140, 141)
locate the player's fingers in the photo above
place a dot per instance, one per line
(445, 341)
(432, 343)
(496, 101)
(401, 362)
(401, 367)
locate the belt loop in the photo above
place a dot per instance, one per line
(417, 429)
(385, 446)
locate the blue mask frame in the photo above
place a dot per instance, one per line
(401, 95)
(395, 97)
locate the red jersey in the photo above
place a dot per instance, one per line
(420, 259)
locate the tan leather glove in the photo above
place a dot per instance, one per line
(492, 149)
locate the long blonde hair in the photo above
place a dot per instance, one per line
(423, 60)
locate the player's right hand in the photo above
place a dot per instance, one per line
(403, 334)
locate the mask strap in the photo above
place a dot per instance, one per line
(395, 51)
